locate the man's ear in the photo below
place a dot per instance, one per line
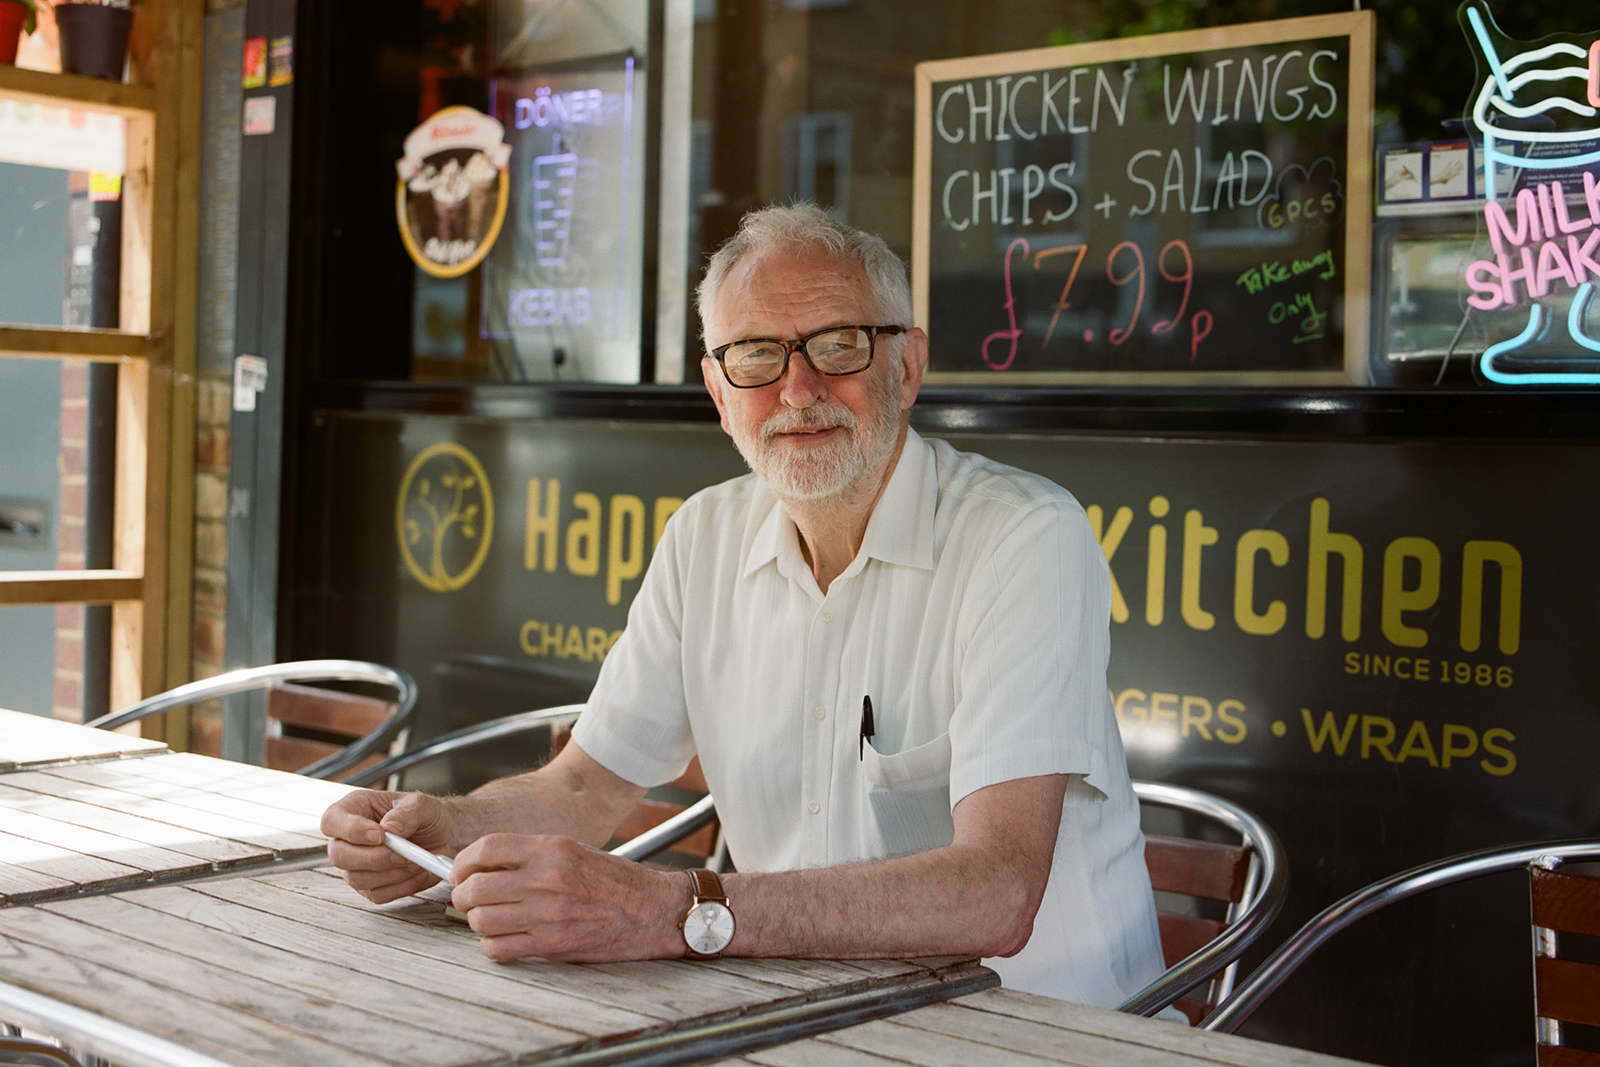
(711, 372)
(913, 362)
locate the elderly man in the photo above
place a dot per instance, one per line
(983, 805)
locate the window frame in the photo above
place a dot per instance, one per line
(148, 584)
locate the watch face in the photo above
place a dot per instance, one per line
(708, 928)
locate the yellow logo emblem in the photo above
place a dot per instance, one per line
(444, 517)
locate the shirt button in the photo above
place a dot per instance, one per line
(820, 712)
(827, 616)
(815, 807)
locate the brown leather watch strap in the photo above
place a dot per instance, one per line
(711, 900)
(707, 886)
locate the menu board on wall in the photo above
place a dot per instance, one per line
(1172, 209)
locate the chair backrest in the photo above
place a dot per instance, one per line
(1242, 1003)
(1565, 990)
(1204, 870)
(1248, 877)
(306, 724)
(340, 759)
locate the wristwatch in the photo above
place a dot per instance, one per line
(708, 924)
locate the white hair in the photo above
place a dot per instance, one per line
(807, 226)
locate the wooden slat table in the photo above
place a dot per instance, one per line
(1003, 1028)
(74, 826)
(128, 930)
(35, 741)
(203, 966)
(294, 967)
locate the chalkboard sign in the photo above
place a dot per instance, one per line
(1172, 209)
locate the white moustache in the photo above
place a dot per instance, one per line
(828, 417)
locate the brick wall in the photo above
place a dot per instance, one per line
(213, 422)
(72, 464)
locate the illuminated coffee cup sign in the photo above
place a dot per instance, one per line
(451, 197)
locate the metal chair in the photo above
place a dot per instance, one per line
(1564, 990)
(321, 710)
(1559, 903)
(654, 826)
(17, 1051)
(1251, 878)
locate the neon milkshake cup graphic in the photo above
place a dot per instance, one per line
(1538, 111)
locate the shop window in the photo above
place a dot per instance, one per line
(816, 161)
(735, 105)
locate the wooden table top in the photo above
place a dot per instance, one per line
(34, 740)
(223, 955)
(1004, 1028)
(152, 912)
(77, 827)
(293, 967)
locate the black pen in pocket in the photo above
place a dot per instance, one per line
(866, 728)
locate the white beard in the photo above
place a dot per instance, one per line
(833, 471)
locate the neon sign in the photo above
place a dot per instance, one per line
(1545, 101)
(561, 296)
(450, 199)
(545, 108)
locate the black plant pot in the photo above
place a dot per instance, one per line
(94, 39)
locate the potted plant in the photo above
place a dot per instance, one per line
(16, 18)
(94, 36)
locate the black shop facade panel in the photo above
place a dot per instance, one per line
(1375, 644)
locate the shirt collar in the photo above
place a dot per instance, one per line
(900, 530)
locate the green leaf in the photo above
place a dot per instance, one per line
(31, 22)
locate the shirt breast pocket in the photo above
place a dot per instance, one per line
(909, 795)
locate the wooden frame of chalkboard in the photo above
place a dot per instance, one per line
(1176, 209)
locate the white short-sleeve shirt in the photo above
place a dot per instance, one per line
(975, 617)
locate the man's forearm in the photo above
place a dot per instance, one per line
(951, 901)
(572, 795)
(978, 895)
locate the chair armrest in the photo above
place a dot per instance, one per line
(25, 1052)
(670, 832)
(1265, 891)
(248, 678)
(466, 737)
(1231, 1013)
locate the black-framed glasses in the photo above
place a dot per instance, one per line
(836, 351)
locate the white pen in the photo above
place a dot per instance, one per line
(433, 864)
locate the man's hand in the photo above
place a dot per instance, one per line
(571, 795)
(355, 826)
(552, 897)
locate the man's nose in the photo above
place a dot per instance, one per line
(801, 385)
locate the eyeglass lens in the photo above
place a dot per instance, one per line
(842, 351)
